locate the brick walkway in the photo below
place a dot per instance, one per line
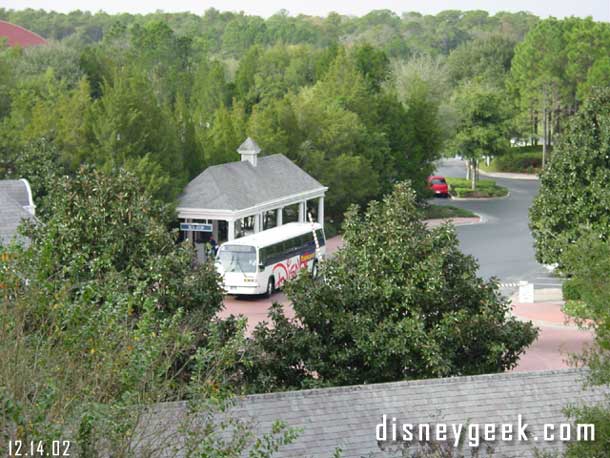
(559, 337)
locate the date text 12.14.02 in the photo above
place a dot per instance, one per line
(19, 448)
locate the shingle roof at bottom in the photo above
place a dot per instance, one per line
(240, 185)
(11, 216)
(17, 190)
(346, 417)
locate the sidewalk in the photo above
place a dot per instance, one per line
(559, 336)
(512, 176)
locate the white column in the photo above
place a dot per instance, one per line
(302, 210)
(190, 235)
(230, 230)
(279, 219)
(257, 223)
(321, 211)
(215, 230)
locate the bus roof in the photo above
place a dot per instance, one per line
(275, 234)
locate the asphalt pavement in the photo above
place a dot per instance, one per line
(503, 244)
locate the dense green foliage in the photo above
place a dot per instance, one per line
(397, 302)
(554, 68)
(589, 263)
(359, 102)
(233, 33)
(573, 198)
(102, 314)
(460, 187)
(516, 162)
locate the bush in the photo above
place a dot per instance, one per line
(398, 301)
(530, 162)
(113, 318)
(588, 261)
(461, 187)
(571, 290)
(464, 183)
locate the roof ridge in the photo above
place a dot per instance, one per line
(427, 381)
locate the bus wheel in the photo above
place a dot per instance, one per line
(270, 286)
(314, 270)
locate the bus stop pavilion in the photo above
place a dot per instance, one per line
(231, 200)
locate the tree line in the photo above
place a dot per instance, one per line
(166, 95)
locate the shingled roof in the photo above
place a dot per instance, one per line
(15, 205)
(240, 185)
(346, 417)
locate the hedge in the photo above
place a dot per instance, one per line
(518, 163)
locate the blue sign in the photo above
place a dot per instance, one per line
(196, 227)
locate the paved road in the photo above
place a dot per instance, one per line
(503, 245)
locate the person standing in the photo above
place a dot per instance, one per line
(213, 246)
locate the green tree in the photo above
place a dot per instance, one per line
(398, 301)
(572, 200)
(223, 137)
(63, 59)
(425, 77)
(132, 129)
(537, 71)
(44, 107)
(113, 318)
(481, 128)
(373, 64)
(487, 58)
(588, 261)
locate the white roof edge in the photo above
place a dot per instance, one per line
(312, 194)
(278, 233)
(31, 207)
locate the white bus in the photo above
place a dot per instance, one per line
(260, 263)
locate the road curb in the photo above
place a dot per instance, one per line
(550, 324)
(471, 199)
(465, 221)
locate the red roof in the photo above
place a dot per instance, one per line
(18, 36)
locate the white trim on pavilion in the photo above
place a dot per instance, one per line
(250, 190)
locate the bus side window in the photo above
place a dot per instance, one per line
(274, 252)
(320, 237)
(293, 244)
(309, 239)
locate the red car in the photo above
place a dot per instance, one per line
(438, 185)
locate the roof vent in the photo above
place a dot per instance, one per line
(249, 151)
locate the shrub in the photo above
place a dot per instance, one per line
(464, 183)
(398, 301)
(113, 317)
(530, 162)
(461, 187)
(571, 290)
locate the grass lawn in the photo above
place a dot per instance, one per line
(446, 211)
(460, 187)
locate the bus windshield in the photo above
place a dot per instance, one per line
(237, 258)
